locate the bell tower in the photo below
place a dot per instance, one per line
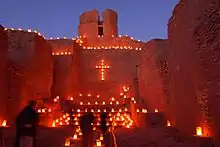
(88, 24)
(110, 23)
(93, 25)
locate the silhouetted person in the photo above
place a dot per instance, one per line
(103, 123)
(87, 129)
(71, 118)
(104, 129)
(26, 123)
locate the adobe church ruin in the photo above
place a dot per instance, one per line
(178, 76)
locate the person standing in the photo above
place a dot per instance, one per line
(26, 124)
(86, 127)
(104, 129)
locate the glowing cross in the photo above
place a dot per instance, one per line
(102, 68)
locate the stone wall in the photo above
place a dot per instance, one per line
(193, 62)
(121, 42)
(110, 23)
(65, 68)
(91, 20)
(122, 71)
(29, 69)
(89, 24)
(153, 75)
(3, 72)
(60, 46)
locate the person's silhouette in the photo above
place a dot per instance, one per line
(103, 123)
(26, 124)
(104, 129)
(86, 127)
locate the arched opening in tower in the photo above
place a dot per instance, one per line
(100, 26)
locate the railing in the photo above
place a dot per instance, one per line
(114, 139)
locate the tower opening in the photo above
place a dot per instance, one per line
(100, 31)
(100, 26)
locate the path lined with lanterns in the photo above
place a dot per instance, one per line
(120, 115)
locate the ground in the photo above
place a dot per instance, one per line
(134, 137)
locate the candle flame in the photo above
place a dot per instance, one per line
(199, 131)
(98, 143)
(4, 123)
(67, 142)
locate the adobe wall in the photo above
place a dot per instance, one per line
(120, 42)
(3, 72)
(30, 69)
(122, 71)
(65, 68)
(61, 46)
(193, 63)
(110, 23)
(119, 52)
(89, 24)
(152, 75)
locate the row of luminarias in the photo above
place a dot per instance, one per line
(28, 30)
(99, 103)
(95, 103)
(118, 119)
(57, 38)
(124, 89)
(45, 110)
(80, 42)
(95, 48)
(113, 47)
(80, 37)
(56, 122)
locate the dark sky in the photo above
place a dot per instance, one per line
(142, 19)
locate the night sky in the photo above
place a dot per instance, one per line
(142, 19)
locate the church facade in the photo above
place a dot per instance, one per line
(94, 66)
(99, 63)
